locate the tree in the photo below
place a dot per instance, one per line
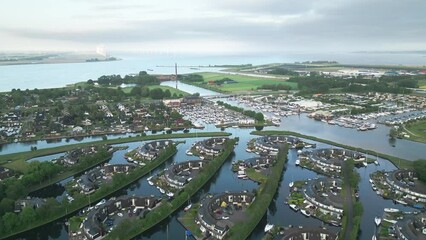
(259, 117)
(136, 91)
(167, 93)
(28, 215)
(156, 93)
(6, 205)
(10, 221)
(15, 190)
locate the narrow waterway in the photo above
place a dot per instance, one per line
(226, 180)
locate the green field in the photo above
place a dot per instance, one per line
(244, 82)
(171, 89)
(422, 84)
(417, 131)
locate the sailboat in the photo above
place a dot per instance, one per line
(377, 160)
(365, 163)
(189, 206)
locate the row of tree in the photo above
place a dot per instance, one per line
(142, 79)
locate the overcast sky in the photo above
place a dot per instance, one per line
(212, 26)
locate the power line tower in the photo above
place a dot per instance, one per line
(176, 76)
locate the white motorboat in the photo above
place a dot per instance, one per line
(268, 227)
(297, 163)
(291, 184)
(189, 153)
(294, 207)
(187, 207)
(306, 213)
(391, 210)
(377, 220)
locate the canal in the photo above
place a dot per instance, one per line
(225, 180)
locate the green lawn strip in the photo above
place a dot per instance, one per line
(353, 179)
(67, 174)
(398, 162)
(81, 201)
(418, 130)
(24, 156)
(264, 197)
(131, 228)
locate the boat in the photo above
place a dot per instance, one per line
(161, 190)
(299, 152)
(149, 181)
(297, 162)
(376, 162)
(418, 206)
(294, 207)
(306, 213)
(377, 220)
(242, 176)
(365, 164)
(170, 194)
(291, 184)
(373, 237)
(390, 220)
(187, 207)
(400, 202)
(391, 210)
(189, 153)
(249, 150)
(370, 180)
(268, 227)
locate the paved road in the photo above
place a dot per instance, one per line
(348, 202)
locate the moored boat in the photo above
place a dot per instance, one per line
(268, 227)
(391, 210)
(305, 212)
(187, 207)
(294, 207)
(377, 220)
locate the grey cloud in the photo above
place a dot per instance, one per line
(351, 25)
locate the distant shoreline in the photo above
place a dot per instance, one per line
(12, 63)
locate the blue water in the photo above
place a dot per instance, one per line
(58, 75)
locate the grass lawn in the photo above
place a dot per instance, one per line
(422, 84)
(417, 131)
(188, 221)
(256, 176)
(244, 82)
(171, 89)
(75, 223)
